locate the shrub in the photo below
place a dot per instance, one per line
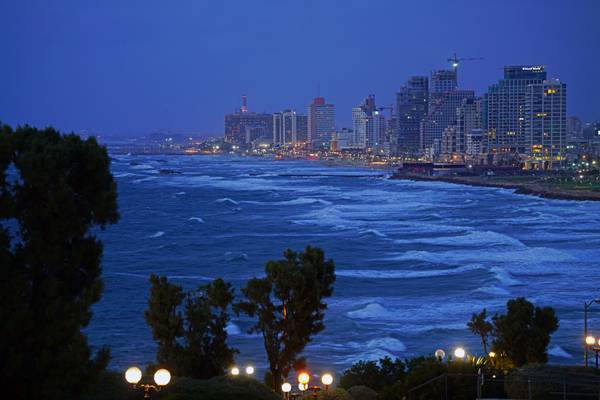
(362, 393)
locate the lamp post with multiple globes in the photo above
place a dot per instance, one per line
(235, 371)
(162, 377)
(591, 344)
(303, 381)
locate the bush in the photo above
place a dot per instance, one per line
(362, 393)
(112, 386)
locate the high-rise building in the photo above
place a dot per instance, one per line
(504, 108)
(442, 114)
(468, 118)
(545, 125)
(411, 108)
(574, 128)
(443, 81)
(321, 123)
(289, 128)
(242, 126)
(368, 125)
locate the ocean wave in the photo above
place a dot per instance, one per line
(179, 194)
(156, 235)
(227, 200)
(231, 256)
(558, 351)
(149, 178)
(406, 274)
(124, 174)
(294, 202)
(373, 232)
(493, 290)
(386, 343)
(197, 219)
(471, 238)
(232, 329)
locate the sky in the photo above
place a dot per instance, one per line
(136, 67)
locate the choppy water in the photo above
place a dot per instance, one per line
(414, 259)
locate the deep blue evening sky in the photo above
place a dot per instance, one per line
(140, 66)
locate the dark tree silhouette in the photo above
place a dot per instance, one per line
(480, 326)
(55, 191)
(523, 333)
(288, 304)
(191, 328)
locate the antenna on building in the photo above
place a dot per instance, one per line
(244, 103)
(318, 89)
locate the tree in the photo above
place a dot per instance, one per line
(55, 191)
(479, 325)
(374, 374)
(523, 333)
(190, 328)
(288, 304)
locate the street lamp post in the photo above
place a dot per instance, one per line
(590, 344)
(303, 380)
(586, 307)
(162, 377)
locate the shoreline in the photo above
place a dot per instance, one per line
(527, 188)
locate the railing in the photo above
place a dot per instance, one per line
(514, 386)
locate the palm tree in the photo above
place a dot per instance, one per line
(481, 327)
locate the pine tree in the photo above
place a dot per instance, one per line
(288, 304)
(55, 191)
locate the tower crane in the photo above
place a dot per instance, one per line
(455, 62)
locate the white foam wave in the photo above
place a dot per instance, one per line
(179, 194)
(198, 219)
(472, 238)
(294, 202)
(232, 329)
(156, 235)
(558, 351)
(227, 200)
(406, 274)
(373, 232)
(493, 290)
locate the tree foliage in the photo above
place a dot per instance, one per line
(55, 190)
(191, 328)
(288, 305)
(480, 326)
(374, 374)
(523, 333)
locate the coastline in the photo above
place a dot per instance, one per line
(531, 188)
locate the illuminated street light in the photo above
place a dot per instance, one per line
(235, 371)
(590, 340)
(491, 354)
(460, 353)
(286, 388)
(302, 386)
(327, 380)
(133, 375)
(439, 355)
(249, 370)
(162, 377)
(304, 378)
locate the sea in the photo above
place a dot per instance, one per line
(414, 260)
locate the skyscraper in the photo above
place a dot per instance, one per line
(442, 114)
(242, 126)
(504, 109)
(546, 123)
(468, 118)
(288, 128)
(443, 81)
(321, 123)
(368, 125)
(411, 108)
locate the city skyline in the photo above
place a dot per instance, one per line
(156, 69)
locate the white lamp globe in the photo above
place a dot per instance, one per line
(249, 370)
(460, 352)
(235, 371)
(162, 377)
(133, 375)
(327, 379)
(286, 387)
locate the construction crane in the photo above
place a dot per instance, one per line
(455, 62)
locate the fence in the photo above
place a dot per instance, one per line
(513, 386)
